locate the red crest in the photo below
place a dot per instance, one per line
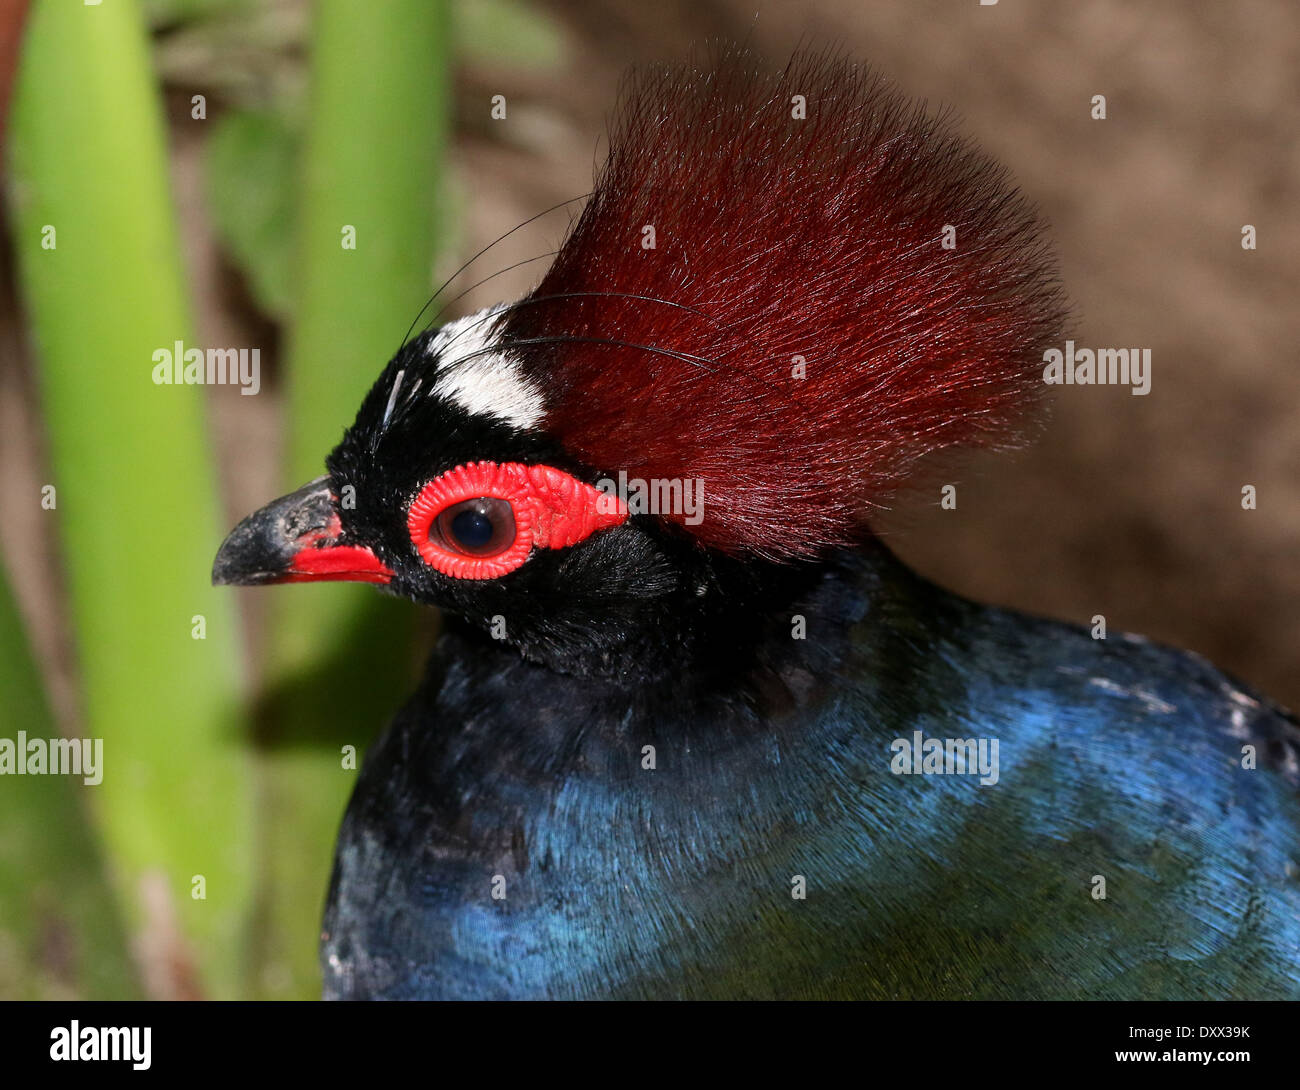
(790, 285)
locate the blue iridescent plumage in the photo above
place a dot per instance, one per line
(1119, 759)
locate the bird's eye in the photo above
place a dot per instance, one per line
(482, 520)
(483, 526)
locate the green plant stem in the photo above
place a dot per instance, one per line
(136, 501)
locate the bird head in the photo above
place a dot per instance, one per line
(785, 289)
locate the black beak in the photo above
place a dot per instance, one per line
(295, 540)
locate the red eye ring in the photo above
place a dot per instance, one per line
(551, 509)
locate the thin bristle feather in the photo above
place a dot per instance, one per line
(780, 238)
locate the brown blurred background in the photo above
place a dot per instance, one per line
(1126, 506)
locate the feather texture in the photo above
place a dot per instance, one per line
(798, 335)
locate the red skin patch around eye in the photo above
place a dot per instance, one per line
(552, 510)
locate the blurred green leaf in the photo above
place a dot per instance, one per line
(137, 506)
(507, 30)
(252, 161)
(176, 12)
(60, 932)
(338, 662)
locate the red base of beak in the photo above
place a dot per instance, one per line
(294, 540)
(335, 562)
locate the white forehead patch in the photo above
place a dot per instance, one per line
(479, 380)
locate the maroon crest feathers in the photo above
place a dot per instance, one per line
(791, 309)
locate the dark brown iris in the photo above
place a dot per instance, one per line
(483, 526)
